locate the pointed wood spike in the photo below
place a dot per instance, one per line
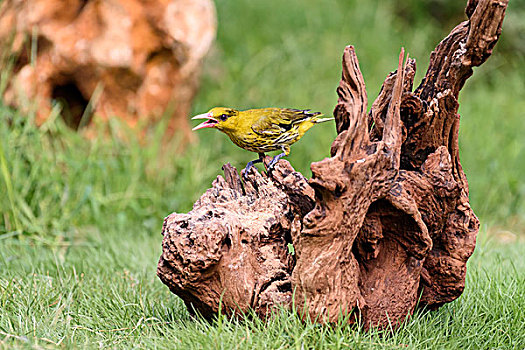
(391, 132)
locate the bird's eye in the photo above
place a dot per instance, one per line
(223, 117)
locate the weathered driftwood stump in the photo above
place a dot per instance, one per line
(382, 223)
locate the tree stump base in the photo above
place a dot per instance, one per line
(382, 224)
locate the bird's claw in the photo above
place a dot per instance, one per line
(249, 166)
(274, 161)
(245, 174)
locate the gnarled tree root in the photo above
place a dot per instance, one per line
(383, 223)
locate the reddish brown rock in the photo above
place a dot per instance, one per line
(384, 221)
(135, 59)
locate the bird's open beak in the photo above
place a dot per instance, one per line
(209, 123)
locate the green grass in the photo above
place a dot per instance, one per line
(80, 219)
(103, 292)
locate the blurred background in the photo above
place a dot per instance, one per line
(58, 184)
(81, 211)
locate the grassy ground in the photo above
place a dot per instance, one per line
(103, 292)
(80, 220)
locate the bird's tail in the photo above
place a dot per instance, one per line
(322, 120)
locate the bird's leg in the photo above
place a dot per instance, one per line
(286, 151)
(251, 163)
(275, 160)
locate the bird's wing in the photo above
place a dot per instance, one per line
(298, 114)
(267, 125)
(275, 121)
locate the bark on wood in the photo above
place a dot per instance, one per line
(382, 223)
(231, 249)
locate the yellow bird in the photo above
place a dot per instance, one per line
(261, 130)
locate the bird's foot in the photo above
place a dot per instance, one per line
(275, 160)
(249, 166)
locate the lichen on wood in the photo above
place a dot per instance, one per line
(383, 224)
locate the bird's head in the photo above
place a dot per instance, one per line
(220, 118)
